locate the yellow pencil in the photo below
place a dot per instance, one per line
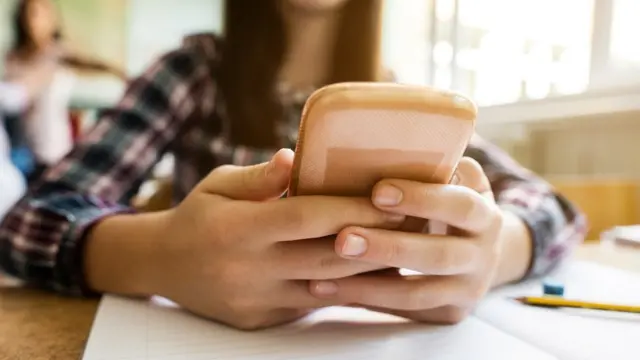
(557, 301)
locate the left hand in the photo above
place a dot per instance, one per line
(456, 270)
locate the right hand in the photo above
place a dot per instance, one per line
(233, 251)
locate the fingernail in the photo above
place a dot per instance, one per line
(324, 288)
(354, 245)
(387, 195)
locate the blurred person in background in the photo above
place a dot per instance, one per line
(12, 183)
(45, 124)
(14, 100)
(232, 249)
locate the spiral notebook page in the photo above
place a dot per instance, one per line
(574, 334)
(128, 329)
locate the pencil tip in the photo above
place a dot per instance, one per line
(519, 298)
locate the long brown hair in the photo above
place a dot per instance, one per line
(254, 49)
(21, 28)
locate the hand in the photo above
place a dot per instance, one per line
(456, 269)
(121, 73)
(232, 251)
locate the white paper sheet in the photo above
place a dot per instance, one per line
(133, 330)
(573, 334)
(500, 329)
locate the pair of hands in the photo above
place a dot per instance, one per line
(238, 254)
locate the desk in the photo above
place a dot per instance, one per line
(620, 257)
(40, 326)
(36, 325)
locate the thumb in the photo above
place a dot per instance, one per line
(470, 174)
(258, 182)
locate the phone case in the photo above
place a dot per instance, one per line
(354, 134)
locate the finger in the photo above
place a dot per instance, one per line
(310, 217)
(426, 254)
(445, 315)
(263, 181)
(470, 174)
(295, 294)
(453, 205)
(397, 293)
(315, 259)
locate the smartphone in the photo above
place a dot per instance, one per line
(353, 135)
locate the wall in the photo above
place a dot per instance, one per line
(156, 26)
(6, 14)
(589, 134)
(585, 145)
(95, 29)
(405, 45)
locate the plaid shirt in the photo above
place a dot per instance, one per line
(175, 107)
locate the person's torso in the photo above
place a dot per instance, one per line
(46, 123)
(12, 183)
(207, 143)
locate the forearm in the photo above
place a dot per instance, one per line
(541, 226)
(516, 252)
(89, 65)
(122, 254)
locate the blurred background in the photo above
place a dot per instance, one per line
(557, 81)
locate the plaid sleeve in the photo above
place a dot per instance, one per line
(41, 239)
(556, 225)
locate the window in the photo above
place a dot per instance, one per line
(158, 26)
(6, 15)
(503, 51)
(625, 27)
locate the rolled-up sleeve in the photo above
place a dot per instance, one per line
(556, 225)
(42, 237)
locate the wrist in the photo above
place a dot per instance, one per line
(122, 255)
(516, 252)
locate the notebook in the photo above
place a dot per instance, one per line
(127, 329)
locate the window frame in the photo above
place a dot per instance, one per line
(605, 73)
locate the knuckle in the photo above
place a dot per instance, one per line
(361, 212)
(392, 251)
(328, 263)
(295, 216)
(476, 293)
(455, 258)
(238, 304)
(469, 205)
(468, 256)
(444, 259)
(250, 321)
(453, 315)
(420, 298)
(497, 217)
(245, 311)
(222, 169)
(415, 300)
